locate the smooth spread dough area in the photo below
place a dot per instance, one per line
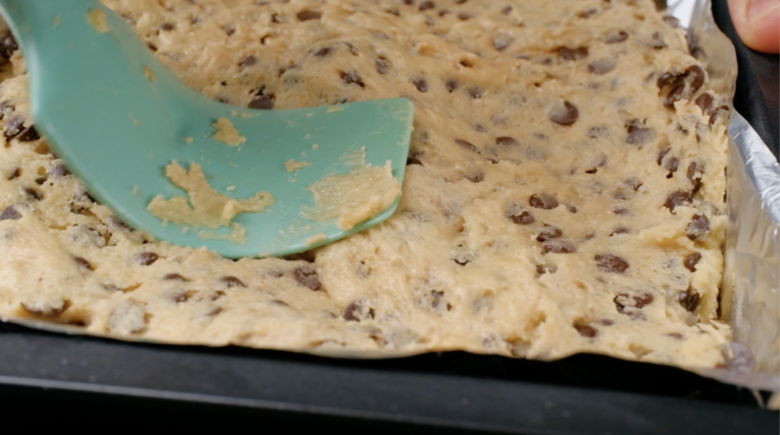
(564, 191)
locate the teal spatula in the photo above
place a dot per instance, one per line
(118, 117)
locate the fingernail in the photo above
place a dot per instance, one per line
(758, 8)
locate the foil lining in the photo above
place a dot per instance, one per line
(750, 296)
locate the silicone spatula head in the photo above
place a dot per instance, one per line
(118, 118)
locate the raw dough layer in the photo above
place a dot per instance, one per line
(564, 194)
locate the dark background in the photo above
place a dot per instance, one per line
(56, 381)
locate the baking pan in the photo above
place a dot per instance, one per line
(77, 380)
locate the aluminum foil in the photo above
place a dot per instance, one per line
(750, 296)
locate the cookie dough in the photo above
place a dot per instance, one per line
(227, 133)
(564, 192)
(209, 208)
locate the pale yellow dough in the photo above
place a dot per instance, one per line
(532, 222)
(208, 208)
(227, 133)
(294, 165)
(97, 19)
(354, 197)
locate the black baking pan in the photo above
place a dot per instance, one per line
(88, 383)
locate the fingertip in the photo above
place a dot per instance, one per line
(764, 32)
(757, 23)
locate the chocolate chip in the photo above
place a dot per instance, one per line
(572, 53)
(694, 175)
(621, 211)
(464, 16)
(309, 15)
(180, 297)
(229, 30)
(696, 76)
(549, 232)
(506, 10)
(699, 226)
(351, 48)
(564, 113)
(420, 84)
(506, 141)
(427, 5)
(83, 263)
(643, 300)
(671, 165)
(174, 277)
(544, 201)
(462, 260)
(265, 102)
(13, 126)
(475, 177)
(247, 61)
(704, 101)
(29, 134)
(467, 145)
(675, 95)
(638, 135)
(352, 77)
(619, 230)
(615, 37)
(666, 79)
(586, 330)
(611, 263)
(676, 198)
(672, 21)
(146, 258)
(167, 27)
(633, 183)
(10, 213)
(8, 45)
(34, 193)
(307, 277)
(322, 52)
(718, 111)
(383, 65)
(601, 66)
(689, 300)
(557, 246)
(412, 160)
(479, 127)
(475, 92)
(358, 310)
(572, 208)
(662, 154)
(231, 281)
(519, 216)
(587, 13)
(451, 85)
(691, 261)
